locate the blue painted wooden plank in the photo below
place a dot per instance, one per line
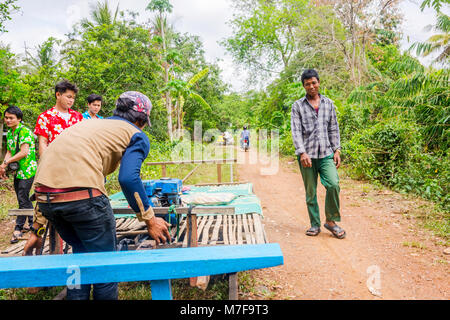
(161, 289)
(161, 264)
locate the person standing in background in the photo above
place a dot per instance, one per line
(94, 105)
(315, 133)
(20, 149)
(52, 122)
(73, 197)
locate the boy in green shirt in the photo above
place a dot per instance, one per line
(20, 148)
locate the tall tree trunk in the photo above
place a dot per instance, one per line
(166, 80)
(169, 116)
(182, 119)
(177, 113)
(180, 113)
(1, 141)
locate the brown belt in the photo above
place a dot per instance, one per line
(66, 196)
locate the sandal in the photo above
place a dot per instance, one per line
(336, 230)
(313, 231)
(16, 236)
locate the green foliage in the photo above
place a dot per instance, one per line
(395, 129)
(182, 89)
(435, 4)
(6, 8)
(393, 112)
(351, 118)
(286, 144)
(378, 152)
(11, 87)
(45, 55)
(321, 44)
(206, 94)
(107, 54)
(403, 87)
(390, 152)
(100, 14)
(394, 126)
(111, 59)
(234, 109)
(263, 38)
(384, 56)
(427, 96)
(47, 293)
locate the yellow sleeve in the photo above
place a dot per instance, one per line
(38, 217)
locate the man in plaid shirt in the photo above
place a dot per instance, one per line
(315, 133)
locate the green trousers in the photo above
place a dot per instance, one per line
(329, 178)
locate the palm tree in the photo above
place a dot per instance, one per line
(438, 43)
(100, 15)
(435, 4)
(45, 54)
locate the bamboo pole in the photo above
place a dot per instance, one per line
(190, 173)
(219, 173)
(223, 161)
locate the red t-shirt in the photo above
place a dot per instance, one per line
(50, 123)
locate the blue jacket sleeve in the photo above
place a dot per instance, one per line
(130, 170)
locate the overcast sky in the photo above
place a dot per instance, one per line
(41, 19)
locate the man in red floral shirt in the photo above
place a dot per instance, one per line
(52, 122)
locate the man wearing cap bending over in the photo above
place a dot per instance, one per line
(73, 198)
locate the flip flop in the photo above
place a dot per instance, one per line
(313, 231)
(16, 236)
(336, 230)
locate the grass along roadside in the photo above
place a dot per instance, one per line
(7, 201)
(7, 198)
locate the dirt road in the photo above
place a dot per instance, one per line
(384, 250)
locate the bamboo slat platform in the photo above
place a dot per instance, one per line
(227, 230)
(17, 248)
(211, 230)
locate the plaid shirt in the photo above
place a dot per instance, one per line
(317, 135)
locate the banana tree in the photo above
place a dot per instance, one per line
(183, 90)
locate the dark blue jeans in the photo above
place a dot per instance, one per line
(22, 188)
(88, 226)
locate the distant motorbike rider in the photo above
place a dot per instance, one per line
(245, 135)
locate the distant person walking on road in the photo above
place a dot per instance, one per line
(315, 133)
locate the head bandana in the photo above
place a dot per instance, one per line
(141, 103)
